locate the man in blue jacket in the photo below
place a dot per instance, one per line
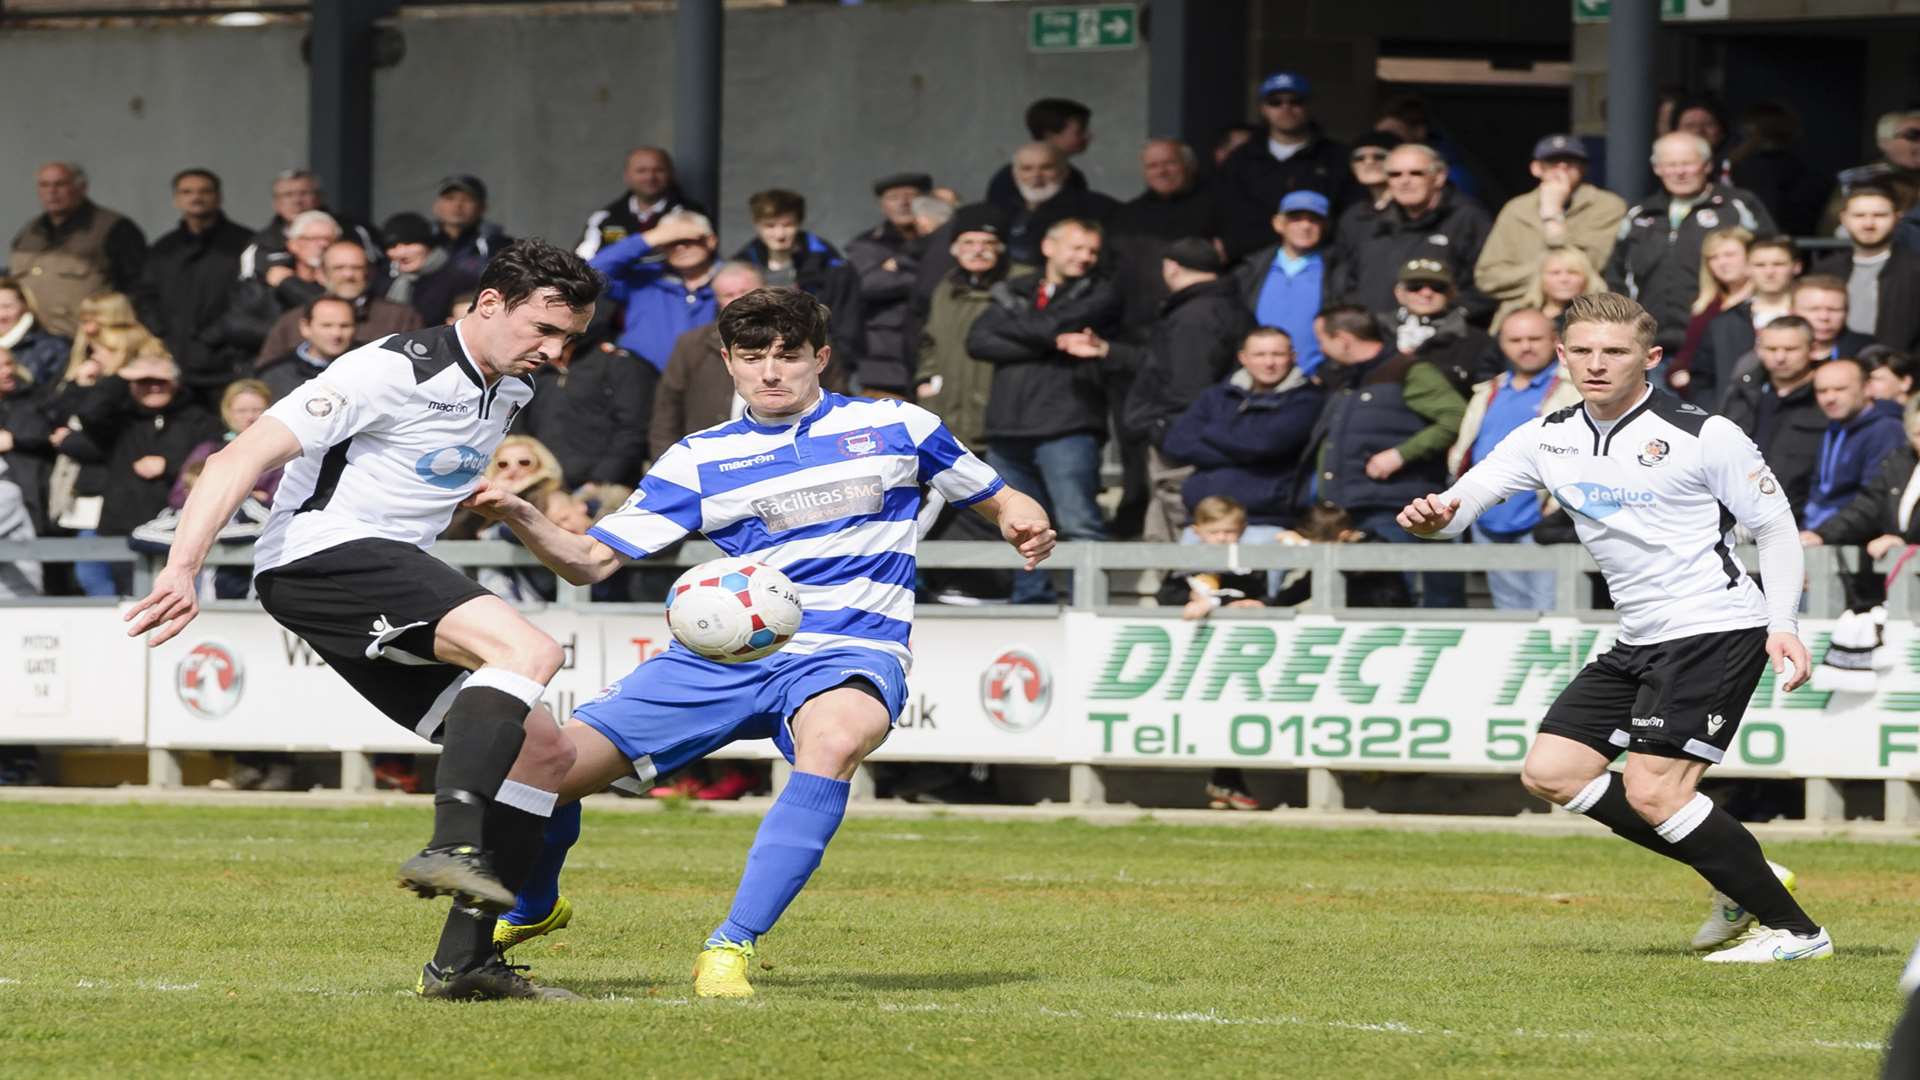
(663, 280)
(1284, 285)
(1861, 432)
(1245, 436)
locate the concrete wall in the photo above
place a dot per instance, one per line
(135, 106)
(821, 100)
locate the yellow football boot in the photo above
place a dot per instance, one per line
(720, 971)
(506, 935)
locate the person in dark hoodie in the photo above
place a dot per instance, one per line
(1778, 411)
(1245, 436)
(425, 274)
(788, 255)
(1294, 156)
(1860, 433)
(142, 428)
(1192, 347)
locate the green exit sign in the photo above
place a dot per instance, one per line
(1072, 29)
(1597, 11)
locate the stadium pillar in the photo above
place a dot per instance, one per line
(1630, 95)
(1196, 68)
(1824, 801)
(697, 40)
(1903, 802)
(340, 100)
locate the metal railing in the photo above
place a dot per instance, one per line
(1091, 566)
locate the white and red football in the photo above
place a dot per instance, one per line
(733, 610)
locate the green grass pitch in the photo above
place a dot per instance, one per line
(184, 940)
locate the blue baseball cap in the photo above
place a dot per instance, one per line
(1305, 202)
(1559, 146)
(1286, 82)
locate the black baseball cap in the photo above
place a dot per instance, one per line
(918, 181)
(408, 228)
(980, 217)
(1196, 254)
(466, 182)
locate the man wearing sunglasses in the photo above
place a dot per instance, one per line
(1426, 219)
(1294, 156)
(1564, 211)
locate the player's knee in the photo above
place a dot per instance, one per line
(1655, 802)
(536, 656)
(1554, 787)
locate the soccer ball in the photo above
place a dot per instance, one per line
(733, 610)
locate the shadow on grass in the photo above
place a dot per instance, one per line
(825, 985)
(1842, 951)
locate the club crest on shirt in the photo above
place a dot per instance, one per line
(1762, 478)
(1654, 453)
(858, 443)
(323, 402)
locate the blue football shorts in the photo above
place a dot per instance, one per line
(678, 707)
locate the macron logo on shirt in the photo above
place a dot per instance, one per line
(746, 463)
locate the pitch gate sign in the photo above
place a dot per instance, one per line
(1425, 697)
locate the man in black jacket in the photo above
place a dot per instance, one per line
(887, 257)
(1779, 412)
(1424, 219)
(593, 414)
(1043, 198)
(187, 282)
(1193, 346)
(1883, 282)
(1177, 203)
(1772, 262)
(651, 195)
(1064, 124)
(1047, 410)
(1657, 258)
(1294, 156)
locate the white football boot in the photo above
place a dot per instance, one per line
(1766, 945)
(1727, 920)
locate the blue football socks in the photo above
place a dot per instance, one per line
(538, 895)
(785, 853)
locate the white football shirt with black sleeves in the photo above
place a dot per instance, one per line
(1654, 498)
(392, 436)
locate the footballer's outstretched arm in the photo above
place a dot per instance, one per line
(1023, 523)
(229, 476)
(581, 560)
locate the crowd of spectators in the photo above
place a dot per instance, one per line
(1287, 325)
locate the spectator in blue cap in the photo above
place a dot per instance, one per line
(1564, 211)
(1283, 284)
(1294, 156)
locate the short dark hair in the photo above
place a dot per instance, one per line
(1352, 319)
(777, 202)
(1820, 283)
(307, 309)
(764, 316)
(1409, 109)
(1904, 365)
(524, 267)
(1789, 322)
(1265, 331)
(1877, 190)
(211, 176)
(1853, 360)
(1781, 242)
(1053, 115)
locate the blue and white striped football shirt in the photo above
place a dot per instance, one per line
(828, 498)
